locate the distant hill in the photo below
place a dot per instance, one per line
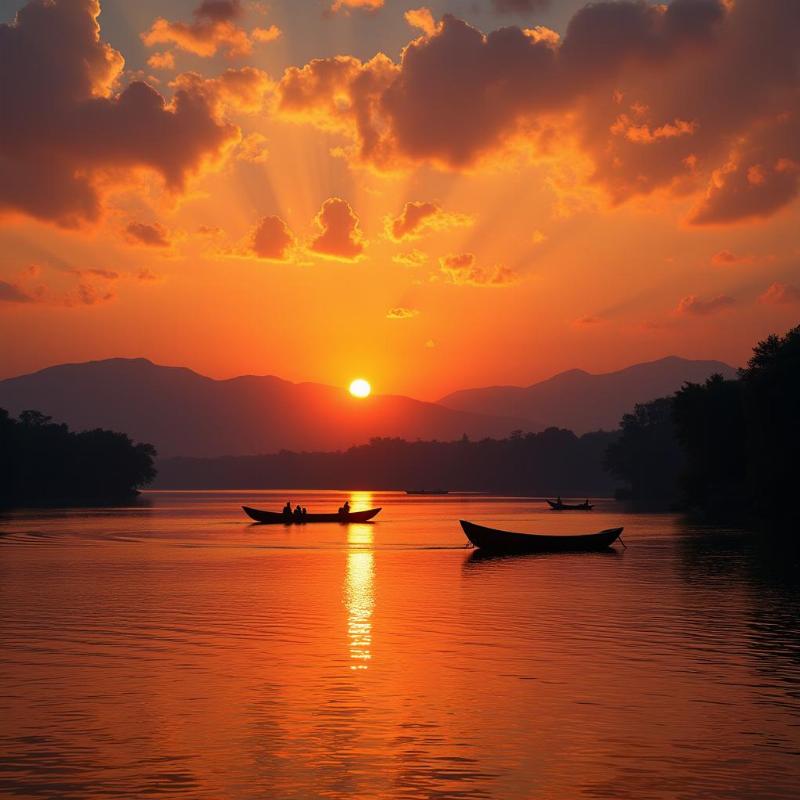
(186, 414)
(584, 402)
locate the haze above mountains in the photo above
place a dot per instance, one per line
(184, 413)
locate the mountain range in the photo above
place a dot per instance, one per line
(584, 402)
(184, 413)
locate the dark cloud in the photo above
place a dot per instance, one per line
(461, 269)
(64, 131)
(213, 29)
(11, 293)
(340, 235)
(219, 10)
(418, 217)
(272, 239)
(155, 235)
(780, 294)
(697, 306)
(695, 97)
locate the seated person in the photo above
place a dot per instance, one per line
(345, 509)
(298, 514)
(287, 509)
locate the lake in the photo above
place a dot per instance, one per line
(172, 649)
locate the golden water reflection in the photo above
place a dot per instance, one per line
(359, 587)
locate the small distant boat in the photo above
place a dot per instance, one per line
(556, 506)
(277, 517)
(427, 491)
(497, 541)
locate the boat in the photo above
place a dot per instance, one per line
(558, 506)
(427, 491)
(497, 541)
(277, 517)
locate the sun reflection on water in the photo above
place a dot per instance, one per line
(359, 590)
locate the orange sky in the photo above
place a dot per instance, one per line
(317, 191)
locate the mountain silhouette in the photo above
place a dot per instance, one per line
(184, 413)
(584, 402)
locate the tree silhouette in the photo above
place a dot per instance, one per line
(43, 463)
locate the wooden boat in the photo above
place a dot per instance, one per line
(556, 506)
(427, 491)
(277, 517)
(498, 541)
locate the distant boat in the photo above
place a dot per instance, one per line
(278, 518)
(558, 506)
(497, 541)
(427, 491)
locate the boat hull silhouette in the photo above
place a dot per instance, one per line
(570, 506)
(277, 517)
(499, 541)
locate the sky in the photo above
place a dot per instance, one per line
(437, 197)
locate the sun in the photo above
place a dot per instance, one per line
(360, 388)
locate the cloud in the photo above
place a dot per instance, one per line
(780, 294)
(725, 258)
(214, 28)
(243, 90)
(417, 218)
(695, 306)
(70, 288)
(12, 293)
(146, 275)
(151, 235)
(253, 148)
(165, 60)
(402, 313)
(761, 176)
(411, 258)
(460, 269)
(272, 239)
(67, 137)
(346, 5)
(210, 230)
(620, 87)
(588, 321)
(340, 236)
(423, 19)
(106, 274)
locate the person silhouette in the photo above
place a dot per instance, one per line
(287, 510)
(305, 514)
(298, 514)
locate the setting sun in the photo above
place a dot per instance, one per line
(360, 388)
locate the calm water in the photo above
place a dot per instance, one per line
(174, 650)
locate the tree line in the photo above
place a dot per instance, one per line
(44, 463)
(551, 462)
(725, 447)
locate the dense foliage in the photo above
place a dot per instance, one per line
(551, 462)
(725, 446)
(42, 463)
(647, 454)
